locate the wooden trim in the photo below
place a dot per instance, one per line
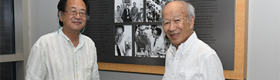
(240, 50)
(241, 39)
(131, 68)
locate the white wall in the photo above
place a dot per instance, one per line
(43, 18)
(263, 38)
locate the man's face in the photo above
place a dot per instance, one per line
(141, 30)
(175, 23)
(134, 4)
(118, 8)
(119, 35)
(74, 22)
(127, 6)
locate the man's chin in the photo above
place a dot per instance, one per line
(78, 28)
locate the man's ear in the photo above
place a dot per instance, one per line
(191, 22)
(60, 13)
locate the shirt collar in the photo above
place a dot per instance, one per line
(60, 32)
(185, 45)
(81, 41)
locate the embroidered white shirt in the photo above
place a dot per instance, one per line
(54, 57)
(194, 60)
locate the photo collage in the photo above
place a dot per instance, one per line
(138, 29)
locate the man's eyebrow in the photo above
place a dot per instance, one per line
(164, 20)
(76, 8)
(73, 7)
(83, 9)
(177, 16)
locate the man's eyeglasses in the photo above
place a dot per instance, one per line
(74, 13)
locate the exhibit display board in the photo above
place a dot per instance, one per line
(129, 36)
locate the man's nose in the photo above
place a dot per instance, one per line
(78, 16)
(172, 26)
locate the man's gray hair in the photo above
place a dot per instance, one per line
(191, 10)
(189, 7)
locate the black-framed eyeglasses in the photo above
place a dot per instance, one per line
(74, 13)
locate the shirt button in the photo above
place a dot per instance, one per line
(77, 75)
(176, 58)
(172, 73)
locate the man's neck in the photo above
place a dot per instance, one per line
(177, 46)
(72, 35)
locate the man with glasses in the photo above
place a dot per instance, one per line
(157, 46)
(65, 54)
(122, 42)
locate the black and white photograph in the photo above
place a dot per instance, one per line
(123, 40)
(129, 11)
(154, 9)
(150, 41)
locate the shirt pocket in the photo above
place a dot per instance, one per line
(88, 73)
(189, 76)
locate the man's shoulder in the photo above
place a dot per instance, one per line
(45, 37)
(87, 39)
(48, 35)
(204, 49)
(134, 7)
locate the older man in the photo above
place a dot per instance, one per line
(188, 58)
(65, 54)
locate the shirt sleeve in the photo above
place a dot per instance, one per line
(212, 68)
(36, 68)
(95, 72)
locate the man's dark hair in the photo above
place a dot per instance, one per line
(119, 26)
(153, 27)
(61, 6)
(166, 37)
(136, 27)
(158, 31)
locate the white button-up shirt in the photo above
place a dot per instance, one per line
(54, 57)
(194, 60)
